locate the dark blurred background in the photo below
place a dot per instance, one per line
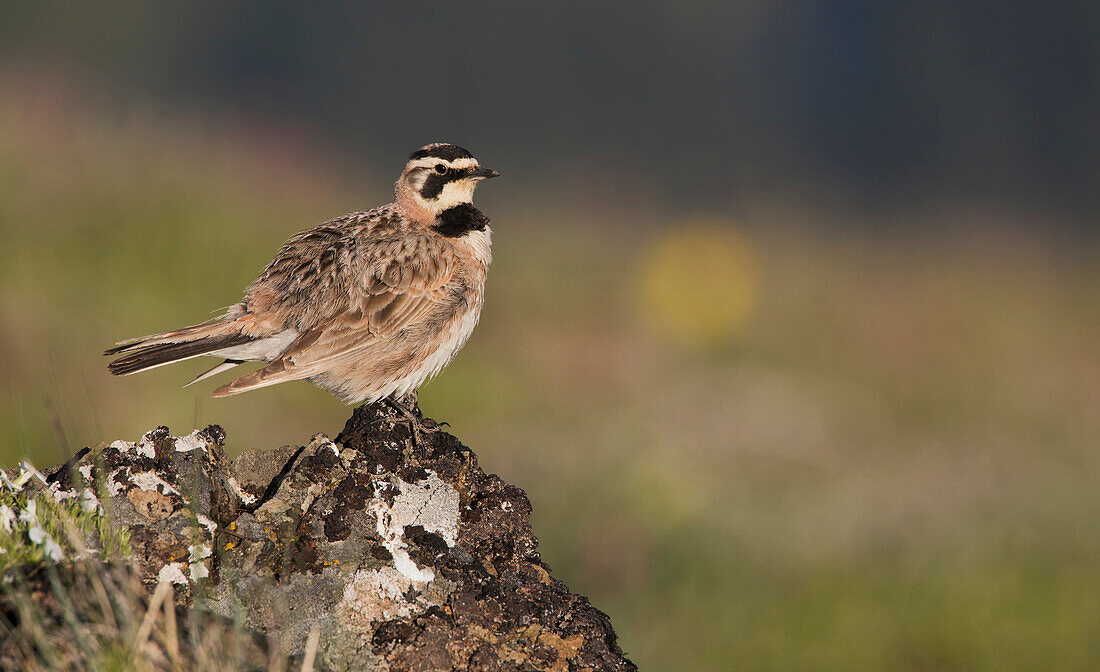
(792, 332)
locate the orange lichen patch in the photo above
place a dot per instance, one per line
(151, 503)
(544, 576)
(567, 647)
(522, 645)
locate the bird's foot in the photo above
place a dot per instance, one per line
(418, 425)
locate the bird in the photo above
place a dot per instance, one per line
(369, 305)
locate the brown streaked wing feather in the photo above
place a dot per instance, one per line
(309, 279)
(397, 311)
(327, 346)
(311, 354)
(401, 281)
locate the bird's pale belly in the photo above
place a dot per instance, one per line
(400, 366)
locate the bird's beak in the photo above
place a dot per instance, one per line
(480, 173)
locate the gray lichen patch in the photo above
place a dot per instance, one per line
(431, 504)
(372, 596)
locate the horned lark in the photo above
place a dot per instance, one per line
(369, 305)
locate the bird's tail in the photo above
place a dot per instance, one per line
(147, 352)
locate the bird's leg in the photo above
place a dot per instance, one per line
(417, 425)
(410, 419)
(409, 401)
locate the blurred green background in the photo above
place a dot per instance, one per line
(792, 334)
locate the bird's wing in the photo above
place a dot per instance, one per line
(343, 296)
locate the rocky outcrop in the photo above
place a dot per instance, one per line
(396, 551)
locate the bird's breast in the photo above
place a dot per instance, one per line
(477, 246)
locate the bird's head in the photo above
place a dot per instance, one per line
(439, 177)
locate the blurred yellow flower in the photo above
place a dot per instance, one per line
(699, 283)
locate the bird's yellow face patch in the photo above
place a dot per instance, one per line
(456, 193)
(440, 184)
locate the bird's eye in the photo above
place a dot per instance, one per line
(440, 168)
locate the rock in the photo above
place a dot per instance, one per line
(399, 551)
(166, 491)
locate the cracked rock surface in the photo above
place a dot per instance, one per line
(405, 555)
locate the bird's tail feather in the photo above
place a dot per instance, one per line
(160, 349)
(215, 370)
(272, 374)
(192, 333)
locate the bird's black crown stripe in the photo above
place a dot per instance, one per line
(445, 152)
(460, 220)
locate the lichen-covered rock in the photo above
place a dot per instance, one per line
(166, 492)
(398, 549)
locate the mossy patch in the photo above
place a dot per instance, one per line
(42, 524)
